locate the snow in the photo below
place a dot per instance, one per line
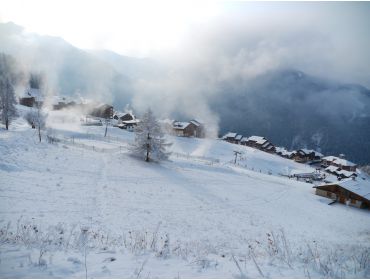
(213, 212)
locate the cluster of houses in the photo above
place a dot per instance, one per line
(337, 166)
(348, 189)
(94, 112)
(32, 97)
(257, 142)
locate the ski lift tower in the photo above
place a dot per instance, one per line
(236, 153)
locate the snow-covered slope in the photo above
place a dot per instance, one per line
(196, 215)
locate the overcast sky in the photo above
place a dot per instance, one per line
(241, 38)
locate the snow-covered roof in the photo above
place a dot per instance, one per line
(238, 137)
(265, 145)
(339, 161)
(360, 187)
(331, 169)
(284, 151)
(308, 151)
(229, 135)
(244, 139)
(195, 122)
(33, 92)
(346, 173)
(180, 125)
(258, 139)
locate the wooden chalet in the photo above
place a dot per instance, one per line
(124, 117)
(339, 162)
(238, 138)
(260, 143)
(31, 97)
(230, 137)
(244, 141)
(304, 155)
(354, 192)
(192, 128)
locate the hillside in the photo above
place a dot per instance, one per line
(196, 215)
(295, 110)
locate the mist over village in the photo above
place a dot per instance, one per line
(184, 139)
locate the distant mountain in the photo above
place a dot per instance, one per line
(296, 110)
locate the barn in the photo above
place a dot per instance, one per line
(354, 192)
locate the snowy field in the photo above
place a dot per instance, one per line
(85, 208)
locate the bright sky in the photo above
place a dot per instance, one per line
(128, 27)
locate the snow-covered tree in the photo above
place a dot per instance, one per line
(36, 118)
(7, 101)
(149, 139)
(7, 95)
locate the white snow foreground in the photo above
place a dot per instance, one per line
(85, 207)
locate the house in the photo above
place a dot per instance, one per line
(230, 137)
(340, 173)
(285, 153)
(260, 143)
(238, 138)
(31, 97)
(352, 192)
(124, 117)
(129, 125)
(104, 111)
(339, 162)
(304, 155)
(192, 128)
(243, 141)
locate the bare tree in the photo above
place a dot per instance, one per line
(36, 118)
(149, 139)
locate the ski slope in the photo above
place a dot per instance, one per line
(208, 209)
